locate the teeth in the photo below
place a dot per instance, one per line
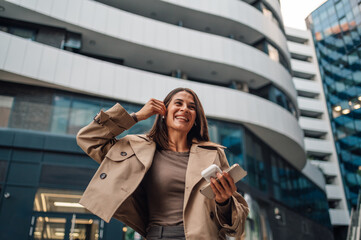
(179, 117)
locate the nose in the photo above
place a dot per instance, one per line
(184, 108)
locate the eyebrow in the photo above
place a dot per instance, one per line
(178, 99)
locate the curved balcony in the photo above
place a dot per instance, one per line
(165, 47)
(227, 18)
(48, 66)
(275, 6)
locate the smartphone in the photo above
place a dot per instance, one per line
(236, 172)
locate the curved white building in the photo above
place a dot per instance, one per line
(76, 56)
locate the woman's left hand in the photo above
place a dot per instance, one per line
(224, 188)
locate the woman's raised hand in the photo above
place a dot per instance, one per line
(153, 106)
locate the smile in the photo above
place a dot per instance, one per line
(182, 118)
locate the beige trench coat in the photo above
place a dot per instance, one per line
(114, 189)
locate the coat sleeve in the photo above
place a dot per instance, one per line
(99, 136)
(239, 210)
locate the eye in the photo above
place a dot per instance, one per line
(192, 107)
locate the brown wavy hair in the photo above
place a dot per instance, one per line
(159, 131)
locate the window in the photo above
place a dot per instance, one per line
(6, 103)
(229, 135)
(273, 53)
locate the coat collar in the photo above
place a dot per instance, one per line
(143, 137)
(143, 148)
(202, 155)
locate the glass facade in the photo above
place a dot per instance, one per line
(336, 30)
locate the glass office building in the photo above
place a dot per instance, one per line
(63, 61)
(336, 29)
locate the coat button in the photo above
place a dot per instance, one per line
(211, 215)
(103, 175)
(123, 154)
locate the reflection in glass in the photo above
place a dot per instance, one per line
(49, 228)
(85, 229)
(229, 135)
(80, 113)
(257, 224)
(56, 200)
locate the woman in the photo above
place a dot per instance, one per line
(152, 182)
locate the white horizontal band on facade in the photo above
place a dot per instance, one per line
(333, 192)
(66, 70)
(111, 25)
(328, 168)
(310, 104)
(313, 124)
(339, 217)
(304, 67)
(242, 13)
(311, 87)
(300, 49)
(318, 146)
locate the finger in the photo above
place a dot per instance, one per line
(157, 108)
(230, 182)
(214, 189)
(161, 106)
(160, 103)
(224, 183)
(218, 186)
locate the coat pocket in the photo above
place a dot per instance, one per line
(120, 151)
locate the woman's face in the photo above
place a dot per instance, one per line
(181, 112)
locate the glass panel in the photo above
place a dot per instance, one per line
(59, 123)
(85, 229)
(81, 113)
(255, 163)
(49, 228)
(23, 32)
(267, 13)
(273, 53)
(72, 41)
(6, 103)
(3, 168)
(230, 136)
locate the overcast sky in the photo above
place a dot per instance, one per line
(294, 12)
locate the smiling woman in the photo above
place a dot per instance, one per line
(184, 117)
(152, 182)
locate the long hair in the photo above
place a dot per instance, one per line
(159, 131)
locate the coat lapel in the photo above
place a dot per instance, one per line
(199, 159)
(144, 150)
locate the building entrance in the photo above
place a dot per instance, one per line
(65, 226)
(57, 215)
